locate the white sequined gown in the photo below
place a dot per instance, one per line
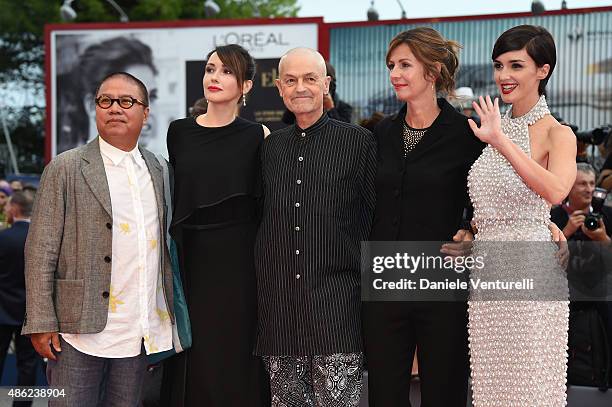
(517, 347)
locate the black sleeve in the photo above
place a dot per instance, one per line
(475, 150)
(261, 185)
(368, 182)
(171, 178)
(171, 136)
(468, 214)
(559, 217)
(170, 143)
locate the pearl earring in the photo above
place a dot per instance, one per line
(244, 99)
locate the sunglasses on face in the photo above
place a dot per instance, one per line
(125, 102)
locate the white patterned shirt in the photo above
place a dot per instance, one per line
(137, 309)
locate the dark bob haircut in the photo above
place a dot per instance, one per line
(538, 43)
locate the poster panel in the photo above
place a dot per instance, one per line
(170, 62)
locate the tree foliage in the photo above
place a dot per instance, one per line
(22, 23)
(193, 9)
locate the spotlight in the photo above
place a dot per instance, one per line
(537, 7)
(67, 13)
(211, 8)
(372, 13)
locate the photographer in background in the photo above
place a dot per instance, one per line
(570, 216)
(598, 139)
(584, 218)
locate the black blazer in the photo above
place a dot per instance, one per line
(12, 281)
(423, 196)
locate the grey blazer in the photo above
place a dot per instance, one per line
(68, 252)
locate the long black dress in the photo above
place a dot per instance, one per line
(217, 184)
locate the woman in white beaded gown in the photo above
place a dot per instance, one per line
(517, 346)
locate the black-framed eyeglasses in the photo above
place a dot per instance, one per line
(125, 102)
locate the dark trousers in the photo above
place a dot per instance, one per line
(392, 331)
(27, 358)
(95, 381)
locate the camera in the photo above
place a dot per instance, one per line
(595, 136)
(591, 221)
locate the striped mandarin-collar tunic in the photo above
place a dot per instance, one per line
(318, 207)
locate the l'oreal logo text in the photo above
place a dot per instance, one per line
(249, 41)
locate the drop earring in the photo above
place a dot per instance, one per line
(244, 99)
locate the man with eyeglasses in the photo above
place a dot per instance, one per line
(98, 277)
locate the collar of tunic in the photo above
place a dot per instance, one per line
(316, 128)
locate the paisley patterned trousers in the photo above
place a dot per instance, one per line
(317, 381)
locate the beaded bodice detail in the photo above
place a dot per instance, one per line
(505, 208)
(411, 138)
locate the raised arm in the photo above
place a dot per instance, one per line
(552, 183)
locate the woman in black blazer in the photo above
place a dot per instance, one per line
(424, 154)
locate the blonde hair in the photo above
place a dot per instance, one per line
(431, 49)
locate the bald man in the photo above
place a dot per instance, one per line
(318, 179)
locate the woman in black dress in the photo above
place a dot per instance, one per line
(215, 158)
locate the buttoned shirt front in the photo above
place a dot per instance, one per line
(137, 310)
(318, 207)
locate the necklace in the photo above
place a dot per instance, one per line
(411, 138)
